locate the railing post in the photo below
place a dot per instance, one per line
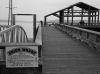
(13, 19)
(45, 20)
(61, 18)
(34, 27)
(98, 17)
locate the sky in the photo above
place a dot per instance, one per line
(40, 7)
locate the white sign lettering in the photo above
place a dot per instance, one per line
(22, 56)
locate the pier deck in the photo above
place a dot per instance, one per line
(63, 54)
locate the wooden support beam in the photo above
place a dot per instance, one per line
(98, 17)
(72, 15)
(92, 17)
(56, 15)
(82, 14)
(13, 19)
(25, 14)
(68, 17)
(95, 19)
(80, 11)
(11, 13)
(45, 20)
(34, 27)
(76, 12)
(79, 15)
(61, 18)
(89, 17)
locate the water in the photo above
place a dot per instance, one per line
(28, 27)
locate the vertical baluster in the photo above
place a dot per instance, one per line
(3, 28)
(19, 35)
(5, 39)
(22, 36)
(9, 36)
(25, 40)
(15, 37)
(0, 29)
(0, 38)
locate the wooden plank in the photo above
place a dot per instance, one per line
(65, 55)
(18, 44)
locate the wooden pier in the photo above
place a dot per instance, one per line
(63, 54)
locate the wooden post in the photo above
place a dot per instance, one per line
(82, 15)
(95, 18)
(72, 16)
(61, 18)
(13, 19)
(11, 14)
(45, 20)
(98, 17)
(89, 17)
(92, 19)
(68, 17)
(34, 27)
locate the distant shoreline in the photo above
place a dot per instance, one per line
(19, 21)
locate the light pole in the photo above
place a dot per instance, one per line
(10, 14)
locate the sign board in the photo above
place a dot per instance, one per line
(24, 56)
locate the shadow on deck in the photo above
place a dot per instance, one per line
(63, 54)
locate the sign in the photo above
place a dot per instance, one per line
(26, 56)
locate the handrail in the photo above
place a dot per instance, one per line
(38, 38)
(14, 34)
(4, 27)
(84, 25)
(92, 38)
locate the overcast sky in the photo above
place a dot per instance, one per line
(40, 7)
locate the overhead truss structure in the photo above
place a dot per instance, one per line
(92, 13)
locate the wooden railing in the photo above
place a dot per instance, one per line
(4, 27)
(14, 34)
(38, 38)
(92, 38)
(84, 25)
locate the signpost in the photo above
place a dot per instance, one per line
(23, 56)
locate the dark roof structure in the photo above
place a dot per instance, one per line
(84, 6)
(92, 13)
(81, 5)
